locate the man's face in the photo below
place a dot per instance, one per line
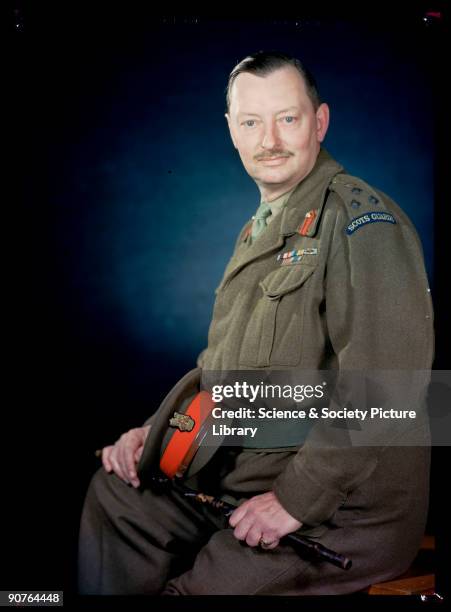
(275, 128)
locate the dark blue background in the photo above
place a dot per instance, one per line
(132, 196)
(148, 192)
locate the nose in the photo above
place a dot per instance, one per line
(271, 136)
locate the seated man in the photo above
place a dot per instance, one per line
(328, 275)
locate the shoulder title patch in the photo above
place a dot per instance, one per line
(369, 217)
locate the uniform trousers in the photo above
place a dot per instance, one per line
(137, 541)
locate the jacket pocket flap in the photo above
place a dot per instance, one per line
(286, 279)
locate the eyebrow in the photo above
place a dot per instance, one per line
(284, 110)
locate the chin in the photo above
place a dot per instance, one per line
(274, 178)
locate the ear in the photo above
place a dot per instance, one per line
(322, 121)
(229, 123)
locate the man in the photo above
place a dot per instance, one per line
(329, 274)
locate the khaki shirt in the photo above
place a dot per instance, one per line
(278, 204)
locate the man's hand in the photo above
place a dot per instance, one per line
(262, 519)
(122, 457)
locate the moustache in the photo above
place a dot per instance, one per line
(270, 154)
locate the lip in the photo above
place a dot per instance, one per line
(273, 161)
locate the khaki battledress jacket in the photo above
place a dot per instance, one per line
(354, 296)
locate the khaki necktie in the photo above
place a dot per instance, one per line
(260, 217)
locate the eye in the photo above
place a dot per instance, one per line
(249, 122)
(289, 119)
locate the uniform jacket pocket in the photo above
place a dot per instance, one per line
(273, 332)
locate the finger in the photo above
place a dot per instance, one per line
(242, 528)
(129, 459)
(120, 447)
(106, 458)
(253, 536)
(237, 515)
(269, 540)
(117, 468)
(138, 453)
(142, 436)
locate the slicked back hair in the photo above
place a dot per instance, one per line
(263, 63)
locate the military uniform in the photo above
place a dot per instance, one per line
(351, 293)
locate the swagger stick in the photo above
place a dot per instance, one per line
(303, 542)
